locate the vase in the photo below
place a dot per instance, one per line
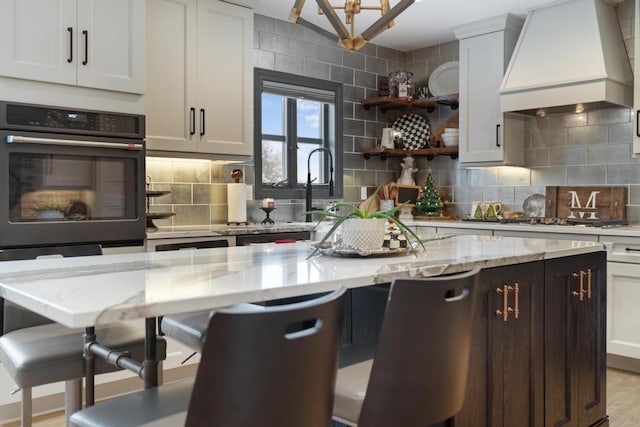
(364, 234)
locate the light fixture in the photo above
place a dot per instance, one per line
(347, 38)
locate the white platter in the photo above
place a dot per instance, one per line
(444, 79)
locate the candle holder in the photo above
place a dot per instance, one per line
(267, 220)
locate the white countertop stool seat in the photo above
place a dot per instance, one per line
(269, 367)
(50, 352)
(416, 374)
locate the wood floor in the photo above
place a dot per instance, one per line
(623, 402)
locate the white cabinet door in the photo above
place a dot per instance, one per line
(225, 78)
(481, 70)
(170, 100)
(111, 45)
(201, 100)
(90, 43)
(38, 40)
(623, 322)
(487, 137)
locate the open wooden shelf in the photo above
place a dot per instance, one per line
(387, 102)
(429, 153)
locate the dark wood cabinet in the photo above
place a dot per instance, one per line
(506, 374)
(541, 364)
(575, 348)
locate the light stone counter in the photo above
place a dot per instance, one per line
(622, 231)
(80, 292)
(229, 230)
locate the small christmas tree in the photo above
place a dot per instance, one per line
(429, 203)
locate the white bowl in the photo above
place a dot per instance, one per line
(454, 131)
(450, 140)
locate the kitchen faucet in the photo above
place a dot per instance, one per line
(308, 207)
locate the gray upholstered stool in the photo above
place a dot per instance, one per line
(269, 367)
(416, 375)
(190, 329)
(49, 352)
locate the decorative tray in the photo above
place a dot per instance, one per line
(327, 248)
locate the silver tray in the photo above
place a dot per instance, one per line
(346, 251)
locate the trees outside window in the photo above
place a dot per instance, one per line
(295, 115)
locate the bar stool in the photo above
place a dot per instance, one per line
(36, 351)
(416, 375)
(271, 367)
(190, 328)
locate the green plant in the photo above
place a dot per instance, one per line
(366, 212)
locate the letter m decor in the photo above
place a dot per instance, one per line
(586, 202)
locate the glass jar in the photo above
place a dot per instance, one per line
(401, 84)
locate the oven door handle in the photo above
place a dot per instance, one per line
(73, 143)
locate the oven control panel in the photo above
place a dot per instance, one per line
(53, 119)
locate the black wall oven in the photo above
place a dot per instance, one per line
(70, 176)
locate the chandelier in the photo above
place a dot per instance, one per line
(347, 38)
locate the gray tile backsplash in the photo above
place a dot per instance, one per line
(591, 148)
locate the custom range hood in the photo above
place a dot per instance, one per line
(570, 57)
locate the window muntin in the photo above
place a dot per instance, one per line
(295, 116)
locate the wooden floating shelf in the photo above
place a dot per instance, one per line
(429, 153)
(388, 102)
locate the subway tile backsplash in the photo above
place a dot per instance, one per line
(591, 148)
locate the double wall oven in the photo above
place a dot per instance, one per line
(70, 176)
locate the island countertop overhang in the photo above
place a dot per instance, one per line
(80, 292)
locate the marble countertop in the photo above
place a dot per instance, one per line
(80, 292)
(228, 230)
(624, 231)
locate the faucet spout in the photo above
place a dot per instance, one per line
(308, 190)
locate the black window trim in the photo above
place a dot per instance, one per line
(294, 190)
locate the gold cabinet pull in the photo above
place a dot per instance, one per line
(588, 283)
(581, 292)
(504, 313)
(516, 295)
(506, 310)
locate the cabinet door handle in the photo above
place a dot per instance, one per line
(638, 123)
(516, 297)
(504, 313)
(202, 128)
(581, 292)
(85, 33)
(70, 58)
(192, 121)
(627, 249)
(588, 283)
(498, 135)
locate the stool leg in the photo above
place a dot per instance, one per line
(26, 407)
(160, 373)
(72, 398)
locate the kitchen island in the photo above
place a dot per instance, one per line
(526, 348)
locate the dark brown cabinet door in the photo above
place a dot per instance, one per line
(506, 375)
(575, 349)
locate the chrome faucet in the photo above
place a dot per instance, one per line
(308, 207)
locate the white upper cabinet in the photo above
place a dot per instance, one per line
(201, 100)
(487, 136)
(89, 43)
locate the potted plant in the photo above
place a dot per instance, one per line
(363, 227)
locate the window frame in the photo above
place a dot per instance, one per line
(292, 189)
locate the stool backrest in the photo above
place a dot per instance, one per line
(13, 317)
(419, 371)
(271, 367)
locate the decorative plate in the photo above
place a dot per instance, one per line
(534, 205)
(413, 130)
(444, 79)
(345, 251)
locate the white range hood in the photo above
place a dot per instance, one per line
(570, 56)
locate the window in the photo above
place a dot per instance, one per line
(294, 116)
